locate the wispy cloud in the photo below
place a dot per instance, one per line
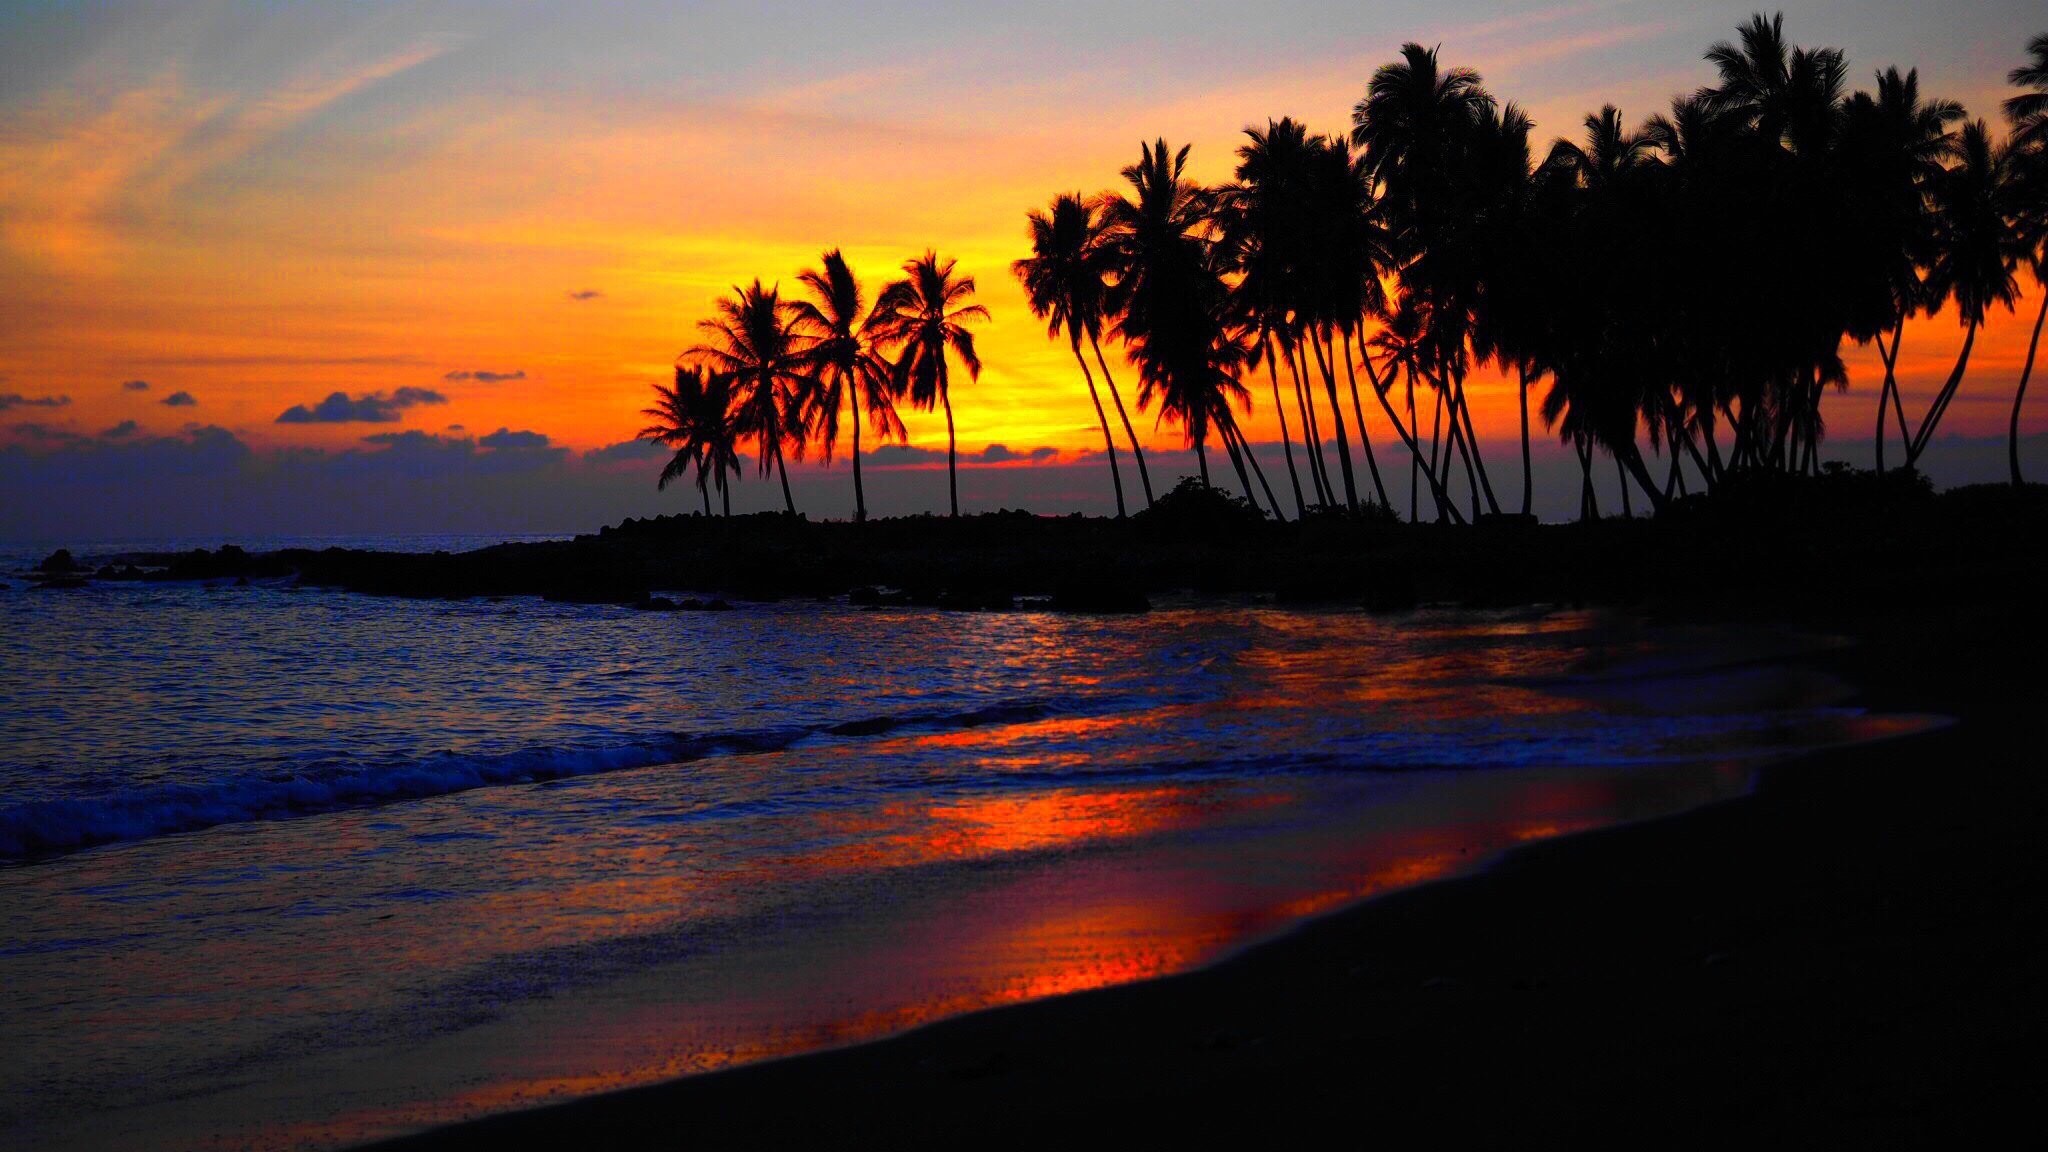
(12, 400)
(484, 376)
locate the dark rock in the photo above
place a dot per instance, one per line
(61, 583)
(58, 562)
(657, 604)
(1100, 596)
(717, 606)
(865, 595)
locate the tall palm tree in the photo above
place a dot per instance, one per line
(1976, 253)
(1064, 282)
(1892, 146)
(2028, 115)
(845, 369)
(924, 316)
(695, 418)
(757, 342)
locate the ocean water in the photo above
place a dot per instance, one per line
(294, 868)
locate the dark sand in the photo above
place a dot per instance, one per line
(1851, 956)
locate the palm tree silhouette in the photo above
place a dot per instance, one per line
(845, 368)
(695, 417)
(1892, 146)
(2028, 115)
(755, 340)
(1064, 282)
(1976, 253)
(924, 316)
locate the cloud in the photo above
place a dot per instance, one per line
(586, 294)
(904, 456)
(45, 433)
(121, 431)
(627, 452)
(370, 408)
(1003, 454)
(508, 439)
(12, 400)
(482, 376)
(135, 385)
(455, 428)
(180, 400)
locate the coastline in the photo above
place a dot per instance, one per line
(1849, 953)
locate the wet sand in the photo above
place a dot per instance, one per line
(1852, 955)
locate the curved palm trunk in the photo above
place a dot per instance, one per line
(1528, 473)
(1286, 437)
(1884, 393)
(1472, 456)
(1414, 447)
(952, 456)
(1244, 478)
(1108, 442)
(1358, 414)
(1317, 340)
(1464, 453)
(1948, 392)
(1436, 441)
(704, 490)
(1589, 502)
(724, 493)
(1245, 447)
(2020, 395)
(1414, 459)
(1628, 508)
(1137, 452)
(1202, 459)
(1319, 468)
(860, 496)
(782, 470)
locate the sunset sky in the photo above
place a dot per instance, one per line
(485, 218)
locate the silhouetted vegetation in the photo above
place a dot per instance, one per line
(1683, 290)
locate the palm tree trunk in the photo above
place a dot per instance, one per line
(1108, 442)
(1891, 366)
(1948, 392)
(1628, 509)
(1528, 474)
(704, 490)
(1137, 452)
(1414, 446)
(788, 501)
(1589, 501)
(860, 496)
(952, 455)
(1358, 413)
(1462, 444)
(1414, 458)
(1245, 446)
(1472, 450)
(1202, 459)
(2020, 395)
(1631, 458)
(1436, 439)
(1244, 478)
(724, 493)
(1286, 438)
(1297, 362)
(1317, 340)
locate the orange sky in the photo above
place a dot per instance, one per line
(262, 206)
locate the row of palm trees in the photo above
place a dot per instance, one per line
(780, 373)
(1691, 279)
(1690, 284)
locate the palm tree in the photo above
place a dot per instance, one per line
(845, 367)
(695, 418)
(924, 316)
(2028, 115)
(1892, 146)
(755, 340)
(1064, 283)
(1976, 253)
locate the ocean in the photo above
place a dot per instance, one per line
(289, 867)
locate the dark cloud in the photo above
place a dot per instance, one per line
(11, 400)
(1003, 454)
(45, 433)
(121, 431)
(135, 385)
(516, 441)
(482, 376)
(583, 294)
(904, 456)
(455, 428)
(180, 400)
(371, 408)
(627, 452)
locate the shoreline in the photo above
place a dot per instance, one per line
(1833, 957)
